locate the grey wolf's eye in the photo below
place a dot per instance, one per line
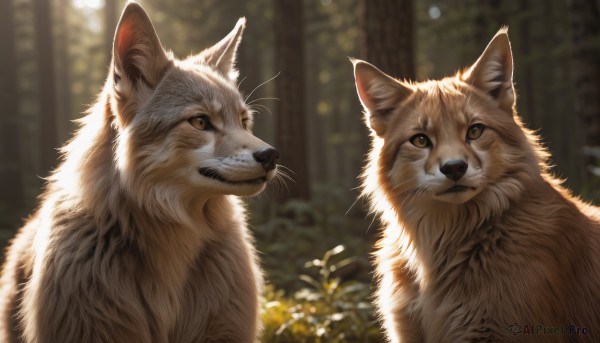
(420, 141)
(201, 122)
(475, 131)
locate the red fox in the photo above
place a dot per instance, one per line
(479, 240)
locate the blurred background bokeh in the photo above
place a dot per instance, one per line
(314, 239)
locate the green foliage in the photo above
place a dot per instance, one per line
(299, 230)
(326, 309)
(327, 299)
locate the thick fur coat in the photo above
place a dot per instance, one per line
(138, 236)
(480, 243)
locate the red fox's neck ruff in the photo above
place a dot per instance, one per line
(419, 228)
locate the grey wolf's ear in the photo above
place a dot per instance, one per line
(379, 94)
(493, 71)
(221, 56)
(138, 57)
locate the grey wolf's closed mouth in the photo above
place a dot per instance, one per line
(213, 174)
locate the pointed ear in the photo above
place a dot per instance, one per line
(138, 57)
(493, 71)
(222, 55)
(379, 94)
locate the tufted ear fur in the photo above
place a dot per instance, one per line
(378, 93)
(493, 71)
(139, 60)
(222, 55)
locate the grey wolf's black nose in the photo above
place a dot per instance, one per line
(267, 157)
(454, 169)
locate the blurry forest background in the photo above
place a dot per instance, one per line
(314, 242)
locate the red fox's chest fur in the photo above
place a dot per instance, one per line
(525, 267)
(480, 243)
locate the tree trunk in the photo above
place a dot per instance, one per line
(110, 25)
(585, 71)
(527, 96)
(291, 122)
(319, 123)
(388, 36)
(45, 62)
(387, 39)
(64, 64)
(11, 190)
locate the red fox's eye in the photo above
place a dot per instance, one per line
(201, 122)
(475, 131)
(420, 141)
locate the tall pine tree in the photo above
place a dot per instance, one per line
(46, 81)
(291, 134)
(387, 28)
(10, 172)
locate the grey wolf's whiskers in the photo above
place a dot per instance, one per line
(257, 87)
(253, 107)
(258, 99)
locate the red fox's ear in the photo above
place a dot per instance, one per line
(379, 94)
(138, 56)
(493, 71)
(221, 56)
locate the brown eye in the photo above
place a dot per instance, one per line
(201, 122)
(245, 122)
(420, 141)
(475, 131)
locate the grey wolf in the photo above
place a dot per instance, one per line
(139, 235)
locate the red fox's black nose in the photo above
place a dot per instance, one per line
(454, 169)
(267, 157)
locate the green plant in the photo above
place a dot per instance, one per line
(326, 309)
(298, 230)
